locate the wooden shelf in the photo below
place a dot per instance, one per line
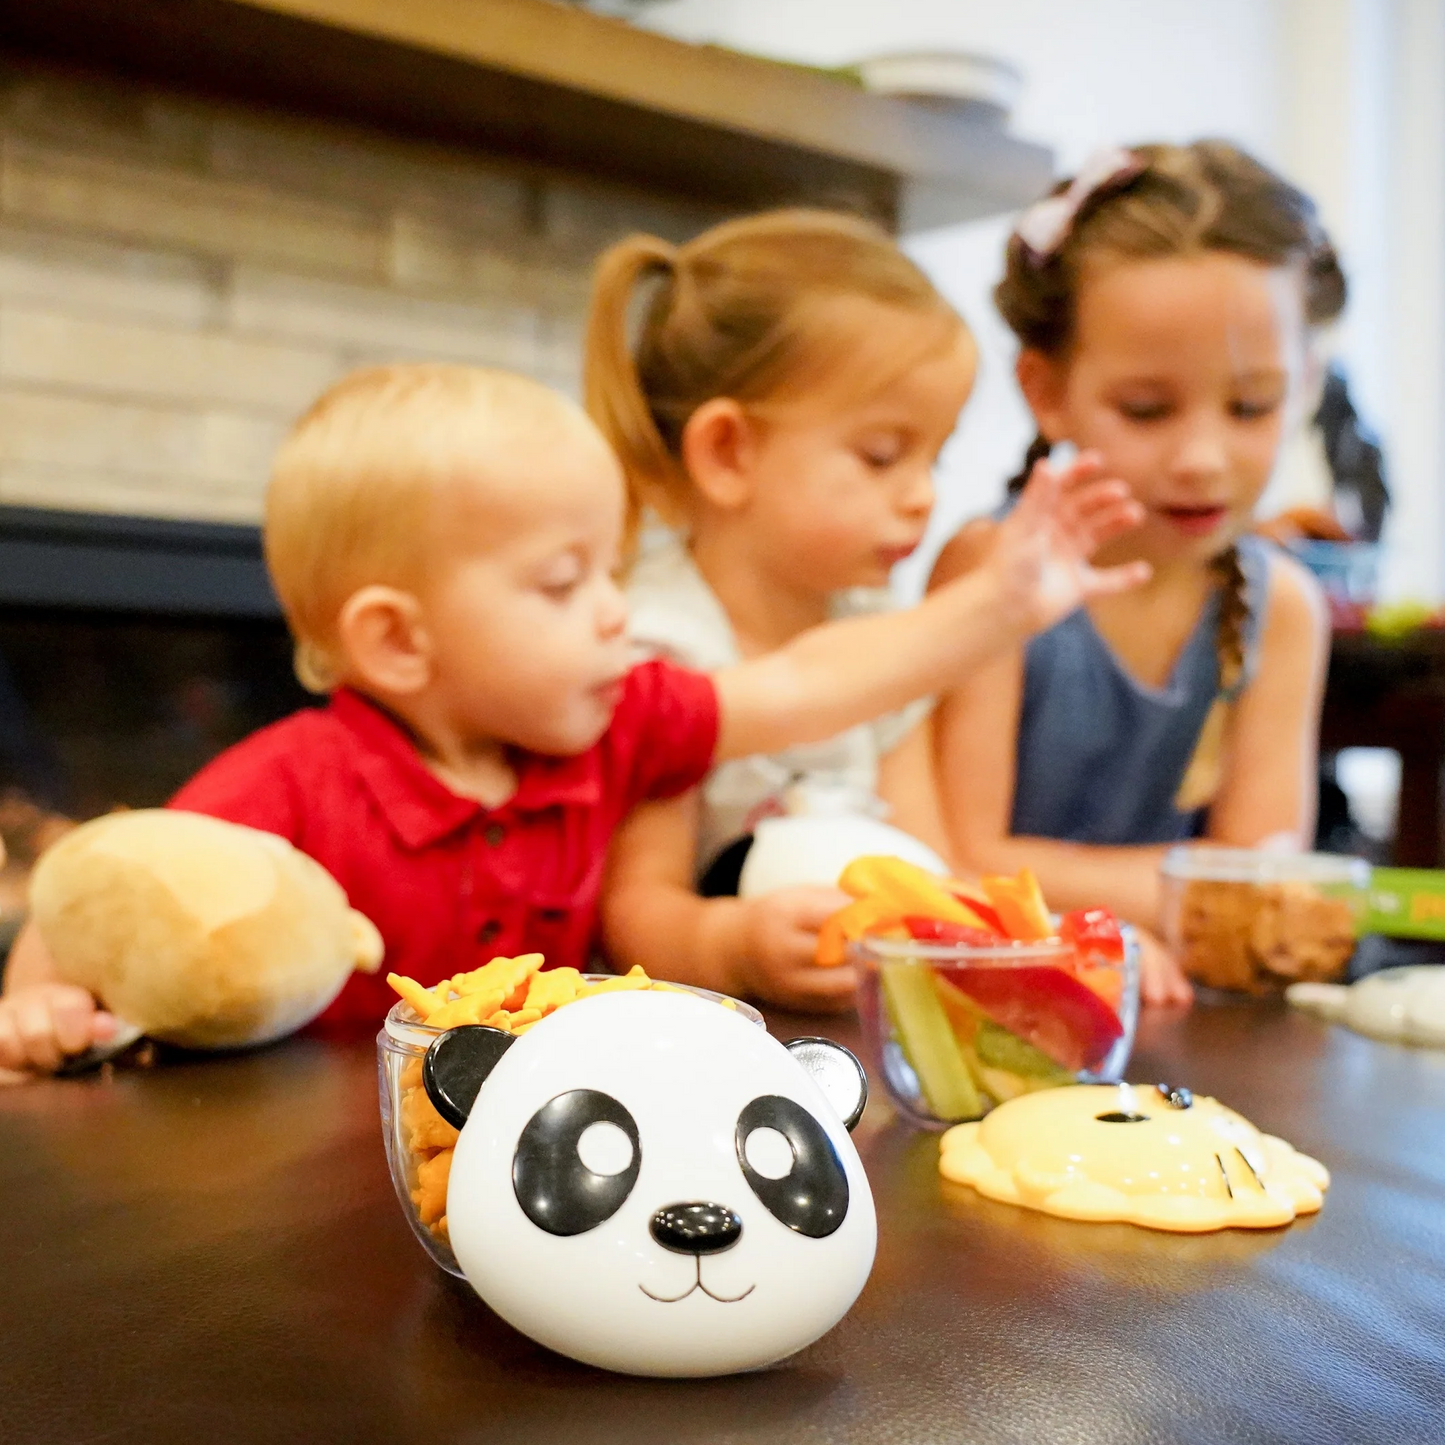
(552, 84)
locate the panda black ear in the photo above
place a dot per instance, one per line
(456, 1066)
(836, 1072)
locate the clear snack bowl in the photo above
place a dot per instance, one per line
(1253, 921)
(419, 1141)
(954, 1030)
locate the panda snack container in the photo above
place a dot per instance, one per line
(1252, 920)
(649, 1183)
(955, 1030)
(419, 1144)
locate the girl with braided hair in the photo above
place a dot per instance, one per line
(1163, 302)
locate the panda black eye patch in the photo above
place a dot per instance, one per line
(558, 1192)
(812, 1196)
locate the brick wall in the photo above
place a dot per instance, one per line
(178, 278)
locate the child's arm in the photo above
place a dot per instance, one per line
(1271, 783)
(975, 728)
(41, 1019)
(1268, 787)
(835, 676)
(755, 947)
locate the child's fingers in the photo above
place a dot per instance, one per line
(1102, 499)
(1083, 471)
(811, 908)
(1106, 581)
(102, 1027)
(35, 1029)
(72, 1013)
(1162, 983)
(1105, 522)
(1167, 993)
(820, 990)
(12, 1053)
(1038, 501)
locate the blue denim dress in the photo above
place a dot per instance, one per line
(1100, 755)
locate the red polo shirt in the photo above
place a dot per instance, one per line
(449, 882)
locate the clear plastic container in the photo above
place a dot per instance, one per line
(418, 1140)
(955, 1030)
(1253, 921)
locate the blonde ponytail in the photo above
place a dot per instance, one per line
(612, 386)
(740, 311)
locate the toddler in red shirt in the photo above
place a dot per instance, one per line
(444, 541)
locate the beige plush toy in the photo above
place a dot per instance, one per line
(195, 931)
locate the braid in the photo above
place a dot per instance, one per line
(1205, 771)
(1039, 448)
(1233, 615)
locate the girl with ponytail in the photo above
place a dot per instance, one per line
(1163, 302)
(776, 390)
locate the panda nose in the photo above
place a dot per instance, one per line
(696, 1228)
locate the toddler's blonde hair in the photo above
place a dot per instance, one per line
(740, 311)
(354, 486)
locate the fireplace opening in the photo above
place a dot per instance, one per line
(132, 651)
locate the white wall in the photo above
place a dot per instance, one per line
(1344, 95)
(1363, 130)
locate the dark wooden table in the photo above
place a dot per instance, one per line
(212, 1252)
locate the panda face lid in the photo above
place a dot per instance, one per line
(649, 1182)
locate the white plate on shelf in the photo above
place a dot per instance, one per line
(950, 77)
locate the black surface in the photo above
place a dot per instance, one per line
(105, 708)
(213, 1252)
(132, 564)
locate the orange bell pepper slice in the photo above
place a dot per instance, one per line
(1019, 903)
(848, 925)
(1102, 980)
(910, 890)
(968, 892)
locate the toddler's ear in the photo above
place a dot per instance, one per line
(385, 641)
(719, 448)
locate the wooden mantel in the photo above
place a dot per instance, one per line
(557, 85)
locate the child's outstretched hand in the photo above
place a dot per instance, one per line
(42, 1023)
(1162, 983)
(782, 938)
(1041, 550)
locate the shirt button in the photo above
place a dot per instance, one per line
(494, 835)
(488, 931)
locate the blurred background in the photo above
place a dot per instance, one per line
(210, 211)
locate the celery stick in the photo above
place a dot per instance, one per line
(929, 1041)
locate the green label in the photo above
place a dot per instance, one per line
(1406, 903)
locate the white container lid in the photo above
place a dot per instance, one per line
(1209, 863)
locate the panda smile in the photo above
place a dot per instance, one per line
(697, 1284)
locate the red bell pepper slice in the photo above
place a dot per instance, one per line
(987, 915)
(941, 930)
(1044, 1005)
(1095, 934)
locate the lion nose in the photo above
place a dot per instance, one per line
(696, 1228)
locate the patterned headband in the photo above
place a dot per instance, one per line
(1046, 224)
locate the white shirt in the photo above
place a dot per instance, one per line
(675, 614)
